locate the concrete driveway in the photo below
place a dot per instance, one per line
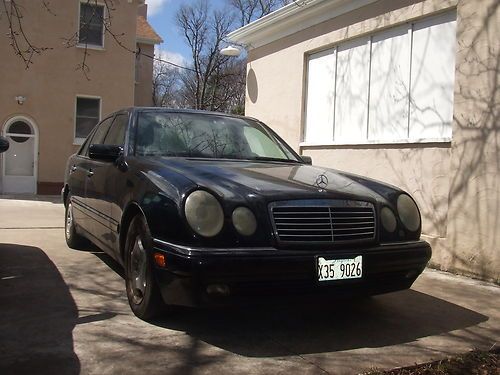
(65, 311)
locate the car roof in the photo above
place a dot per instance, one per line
(175, 110)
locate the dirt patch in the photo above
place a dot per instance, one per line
(476, 362)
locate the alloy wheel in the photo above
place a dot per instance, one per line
(138, 266)
(69, 221)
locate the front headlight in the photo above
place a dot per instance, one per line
(204, 213)
(408, 212)
(388, 219)
(244, 221)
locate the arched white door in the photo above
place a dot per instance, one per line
(20, 161)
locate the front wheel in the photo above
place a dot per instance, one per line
(142, 291)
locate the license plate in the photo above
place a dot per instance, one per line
(340, 269)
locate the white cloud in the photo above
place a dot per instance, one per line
(154, 6)
(170, 56)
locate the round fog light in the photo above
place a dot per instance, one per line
(218, 289)
(244, 221)
(388, 219)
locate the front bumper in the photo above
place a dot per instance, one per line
(263, 275)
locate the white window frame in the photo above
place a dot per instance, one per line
(367, 141)
(77, 141)
(104, 15)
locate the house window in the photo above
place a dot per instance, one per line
(393, 86)
(91, 31)
(87, 116)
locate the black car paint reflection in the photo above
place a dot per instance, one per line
(148, 174)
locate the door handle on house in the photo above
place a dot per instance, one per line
(90, 173)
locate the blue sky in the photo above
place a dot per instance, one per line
(161, 15)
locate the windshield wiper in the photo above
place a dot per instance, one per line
(265, 158)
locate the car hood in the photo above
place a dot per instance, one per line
(274, 180)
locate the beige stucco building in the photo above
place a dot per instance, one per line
(47, 109)
(406, 92)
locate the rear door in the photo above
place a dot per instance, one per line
(77, 178)
(95, 200)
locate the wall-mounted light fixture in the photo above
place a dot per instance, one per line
(20, 99)
(230, 51)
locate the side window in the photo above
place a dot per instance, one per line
(97, 137)
(101, 131)
(83, 150)
(116, 135)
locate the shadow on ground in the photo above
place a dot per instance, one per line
(388, 320)
(327, 326)
(37, 314)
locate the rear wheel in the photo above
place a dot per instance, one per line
(142, 291)
(73, 239)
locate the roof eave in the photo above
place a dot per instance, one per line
(148, 41)
(290, 19)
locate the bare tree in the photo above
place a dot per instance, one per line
(250, 10)
(20, 41)
(228, 87)
(213, 81)
(166, 85)
(204, 31)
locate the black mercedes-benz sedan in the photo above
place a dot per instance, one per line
(207, 209)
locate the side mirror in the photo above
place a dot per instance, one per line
(4, 144)
(307, 159)
(105, 152)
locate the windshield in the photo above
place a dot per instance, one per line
(207, 136)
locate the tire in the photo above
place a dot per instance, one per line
(73, 239)
(142, 291)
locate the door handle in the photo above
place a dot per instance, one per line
(72, 169)
(90, 173)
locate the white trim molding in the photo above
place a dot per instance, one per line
(152, 42)
(294, 17)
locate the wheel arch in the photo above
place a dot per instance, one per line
(65, 195)
(133, 209)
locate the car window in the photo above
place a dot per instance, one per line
(261, 144)
(98, 133)
(101, 131)
(85, 147)
(102, 128)
(116, 135)
(206, 136)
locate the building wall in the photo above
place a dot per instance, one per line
(455, 183)
(144, 76)
(53, 81)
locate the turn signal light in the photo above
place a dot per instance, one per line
(160, 260)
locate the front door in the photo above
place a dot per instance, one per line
(19, 162)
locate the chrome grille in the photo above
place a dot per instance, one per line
(323, 221)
